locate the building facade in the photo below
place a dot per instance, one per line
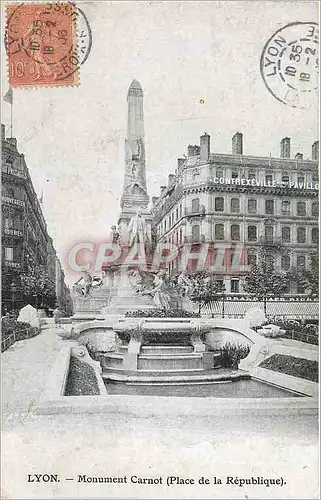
(235, 201)
(25, 238)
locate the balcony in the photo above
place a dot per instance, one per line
(12, 232)
(195, 211)
(12, 201)
(270, 240)
(194, 239)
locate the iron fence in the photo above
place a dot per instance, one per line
(24, 333)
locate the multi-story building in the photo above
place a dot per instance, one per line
(25, 238)
(241, 201)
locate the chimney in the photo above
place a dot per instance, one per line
(180, 162)
(237, 144)
(299, 156)
(154, 199)
(163, 189)
(171, 178)
(315, 150)
(3, 132)
(193, 150)
(205, 142)
(285, 147)
(12, 141)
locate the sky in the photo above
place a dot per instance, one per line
(198, 65)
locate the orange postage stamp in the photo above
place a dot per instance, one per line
(46, 44)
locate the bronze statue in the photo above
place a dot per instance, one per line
(137, 229)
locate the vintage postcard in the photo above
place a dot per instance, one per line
(160, 239)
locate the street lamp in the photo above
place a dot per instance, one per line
(13, 287)
(223, 290)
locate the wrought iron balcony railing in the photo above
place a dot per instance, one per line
(199, 210)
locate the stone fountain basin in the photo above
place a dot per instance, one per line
(175, 331)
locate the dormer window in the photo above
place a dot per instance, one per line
(268, 177)
(196, 174)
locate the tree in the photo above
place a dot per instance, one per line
(204, 289)
(308, 278)
(37, 288)
(263, 281)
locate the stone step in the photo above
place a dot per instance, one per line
(170, 362)
(213, 376)
(112, 372)
(188, 355)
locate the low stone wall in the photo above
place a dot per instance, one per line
(57, 379)
(261, 352)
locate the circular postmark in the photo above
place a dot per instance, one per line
(46, 42)
(290, 64)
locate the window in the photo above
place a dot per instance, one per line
(180, 210)
(219, 231)
(270, 261)
(285, 177)
(251, 259)
(164, 225)
(235, 232)
(219, 173)
(195, 205)
(269, 206)
(286, 206)
(251, 175)
(8, 253)
(269, 233)
(315, 209)
(235, 174)
(177, 213)
(268, 178)
(315, 235)
(300, 288)
(301, 235)
(300, 178)
(301, 208)
(252, 233)
(286, 234)
(252, 206)
(9, 192)
(301, 261)
(235, 285)
(235, 205)
(285, 262)
(219, 204)
(195, 233)
(8, 223)
(180, 235)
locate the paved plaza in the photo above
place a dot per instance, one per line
(233, 444)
